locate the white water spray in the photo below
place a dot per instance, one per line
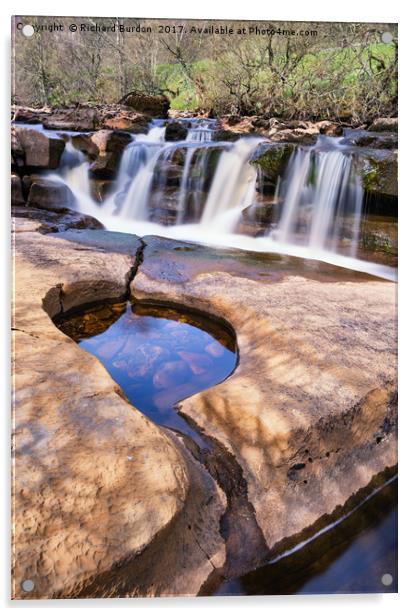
(319, 198)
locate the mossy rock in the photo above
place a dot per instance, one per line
(272, 159)
(227, 135)
(176, 131)
(379, 173)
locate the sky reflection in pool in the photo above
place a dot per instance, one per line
(157, 355)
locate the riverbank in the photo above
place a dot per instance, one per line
(303, 425)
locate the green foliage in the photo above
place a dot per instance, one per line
(343, 73)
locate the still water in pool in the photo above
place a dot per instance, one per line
(157, 355)
(356, 555)
(160, 356)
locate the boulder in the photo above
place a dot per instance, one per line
(47, 221)
(87, 117)
(110, 141)
(50, 195)
(272, 161)
(29, 115)
(16, 148)
(233, 120)
(84, 144)
(35, 149)
(380, 141)
(105, 148)
(153, 105)
(378, 240)
(105, 166)
(256, 219)
(331, 129)
(16, 190)
(227, 135)
(79, 118)
(384, 124)
(379, 172)
(176, 131)
(304, 136)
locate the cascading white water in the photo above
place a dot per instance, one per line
(184, 184)
(200, 134)
(233, 186)
(74, 172)
(318, 201)
(319, 194)
(201, 130)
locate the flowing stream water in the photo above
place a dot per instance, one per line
(197, 188)
(201, 187)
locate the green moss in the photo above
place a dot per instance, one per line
(273, 160)
(380, 175)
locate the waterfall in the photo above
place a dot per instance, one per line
(199, 187)
(200, 134)
(321, 201)
(74, 172)
(184, 184)
(233, 186)
(201, 130)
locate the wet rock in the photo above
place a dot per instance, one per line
(380, 141)
(50, 195)
(379, 172)
(47, 221)
(168, 174)
(100, 189)
(259, 216)
(105, 166)
(110, 141)
(84, 144)
(258, 219)
(316, 373)
(154, 105)
(167, 199)
(114, 494)
(272, 161)
(110, 146)
(16, 190)
(176, 131)
(104, 148)
(378, 240)
(384, 124)
(34, 149)
(17, 151)
(227, 135)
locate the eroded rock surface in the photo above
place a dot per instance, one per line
(97, 487)
(310, 412)
(108, 504)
